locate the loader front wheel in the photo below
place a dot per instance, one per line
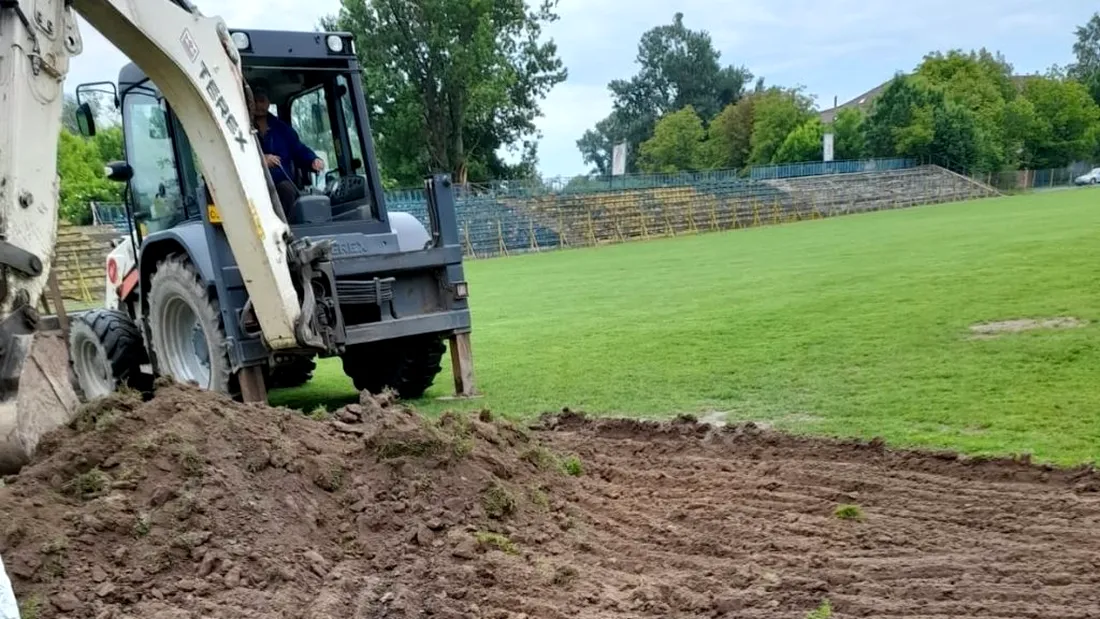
(188, 338)
(106, 352)
(407, 365)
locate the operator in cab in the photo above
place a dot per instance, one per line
(282, 148)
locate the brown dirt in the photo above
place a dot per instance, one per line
(190, 506)
(994, 329)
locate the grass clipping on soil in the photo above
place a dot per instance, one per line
(193, 505)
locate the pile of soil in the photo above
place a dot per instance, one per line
(192, 506)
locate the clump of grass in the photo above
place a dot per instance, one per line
(55, 546)
(86, 485)
(30, 607)
(190, 460)
(330, 477)
(498, 501)
(450, 436)
(415, 448)
(573, 466)
(496, 540)
(539, 498)
(145, 445)
(320, 413)
(848, 512)
(142, 525)
(541, 457)
(824, 611)
(564, 575)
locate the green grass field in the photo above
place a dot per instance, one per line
(856, 325)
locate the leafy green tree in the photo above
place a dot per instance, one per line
(900, 120)
(1087, 52)
(849, 141)
(802, 144)
(452, 81)
(1020, 122)
(678, 67)
(1064, 126)
(776, 112)
(914, 118)
(729, 136)
(980, 82)
(676, 144)
(80, 167)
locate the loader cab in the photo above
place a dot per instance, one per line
(313, 83)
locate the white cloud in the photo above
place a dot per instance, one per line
(834, 47)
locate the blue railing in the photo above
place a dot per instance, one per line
(818, 168)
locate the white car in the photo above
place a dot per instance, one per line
(1090, 178)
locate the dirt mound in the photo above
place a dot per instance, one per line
(191, 505)
(683, 519)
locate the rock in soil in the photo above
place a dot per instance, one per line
(191, 505)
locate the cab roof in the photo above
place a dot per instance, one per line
(269, 51)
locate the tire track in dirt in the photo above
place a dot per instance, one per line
(744, 520)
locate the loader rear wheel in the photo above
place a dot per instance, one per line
(188, 338)
(407, 365)
(106, 352)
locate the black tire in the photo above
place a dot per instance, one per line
(407, 365)
(174, 288)
(106, 352)
(293, 372)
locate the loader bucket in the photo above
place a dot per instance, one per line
(36, 393)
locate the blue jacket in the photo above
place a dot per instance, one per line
(282, 140)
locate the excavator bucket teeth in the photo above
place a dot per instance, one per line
(36, 394)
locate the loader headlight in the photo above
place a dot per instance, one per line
(462, 290)
(240, 40)
(335, 43)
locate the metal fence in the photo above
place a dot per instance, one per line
(816, 168)
(1050, 178)
(530, 217)
(508, 217)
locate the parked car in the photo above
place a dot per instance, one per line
(1090, 178)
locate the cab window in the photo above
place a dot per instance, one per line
(309, 117)
(352, 121)
(155, 187)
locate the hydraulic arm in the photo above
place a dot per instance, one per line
(193, 61)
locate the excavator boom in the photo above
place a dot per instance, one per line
(193, 61)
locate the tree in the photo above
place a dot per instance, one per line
(678, 67)
(980, 82)
(1063, 129)
(729, 135)
(80, 166)
(802, 144)
(776, 113)
(900, 120)
(1087, 51)
(452, 81)
(675, 145)
(914, 118)
(849, 141)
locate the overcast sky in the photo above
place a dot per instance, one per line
(836, 48)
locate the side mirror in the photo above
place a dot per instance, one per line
(119, 171)
(85, 120)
